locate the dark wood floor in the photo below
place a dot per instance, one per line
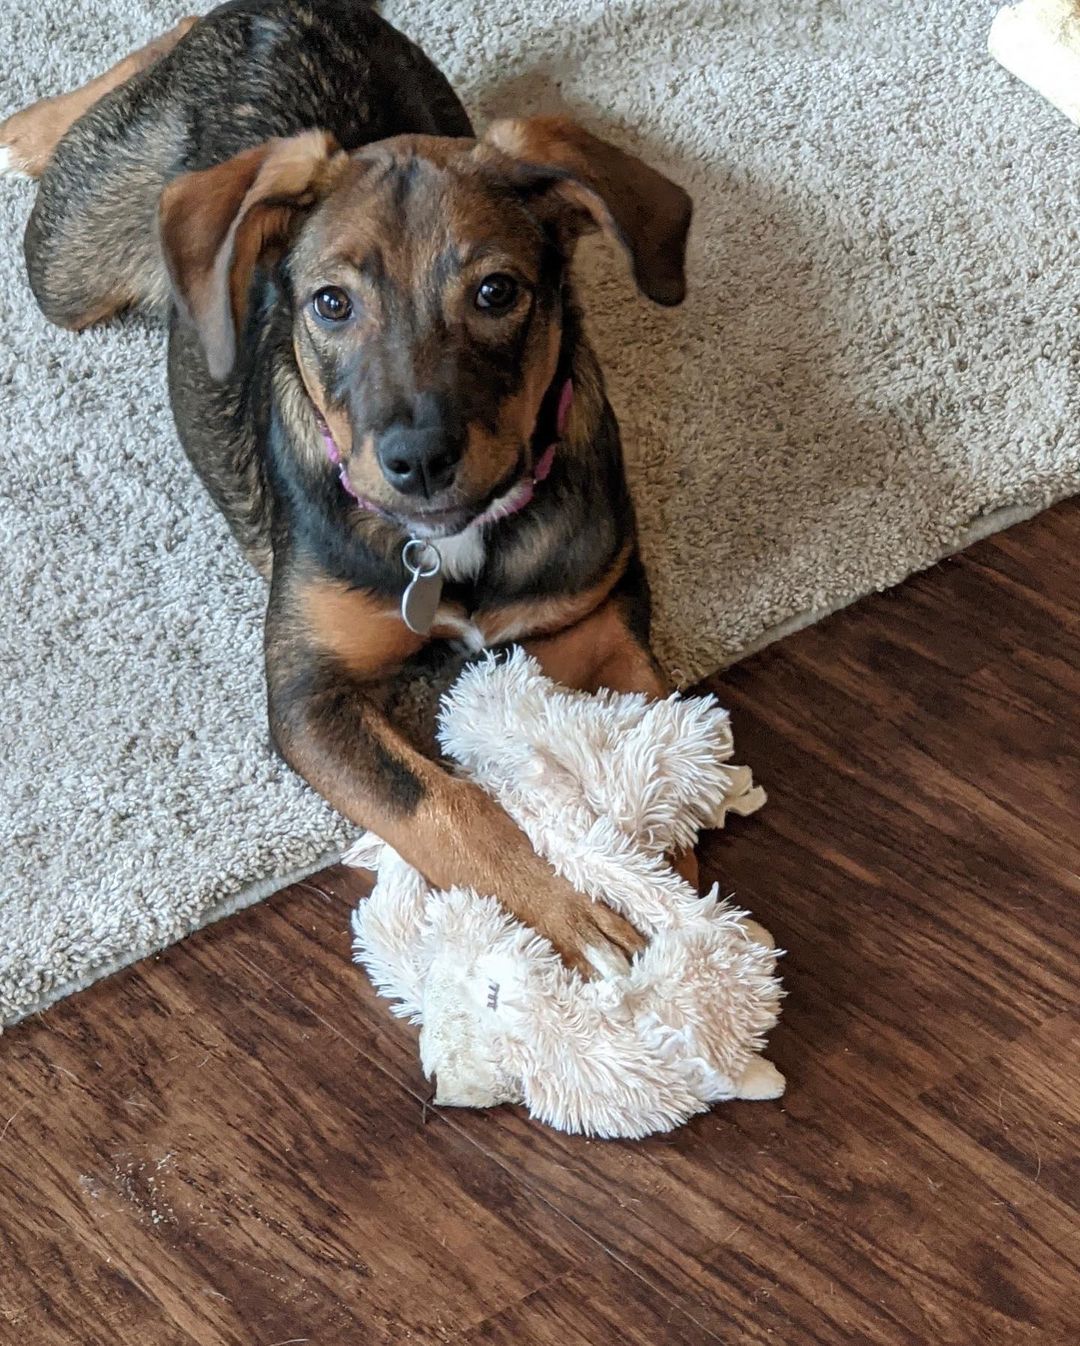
(228, 1144)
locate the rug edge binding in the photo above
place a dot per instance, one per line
(986, 525)
(218, 911)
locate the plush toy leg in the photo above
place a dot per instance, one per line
(760, 1080)
(743, 797)
(758, 933)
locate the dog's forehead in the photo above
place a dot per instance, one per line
(420, 189)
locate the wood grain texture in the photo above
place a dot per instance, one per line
(229, 1143)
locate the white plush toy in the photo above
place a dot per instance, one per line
(605, 786)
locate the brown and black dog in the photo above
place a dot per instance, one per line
(374, 340)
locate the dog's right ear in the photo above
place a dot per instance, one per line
(216, 224)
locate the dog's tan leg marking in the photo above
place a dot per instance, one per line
(335, 736)
(599, 651)
(332, 655)
(28, 138)
(108, 308)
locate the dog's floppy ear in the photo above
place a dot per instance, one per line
(591, 183)
(214, 225)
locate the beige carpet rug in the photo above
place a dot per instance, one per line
(879, 355)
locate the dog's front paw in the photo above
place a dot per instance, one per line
(588, 936)
(686, 865)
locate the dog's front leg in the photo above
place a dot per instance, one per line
(328, 726)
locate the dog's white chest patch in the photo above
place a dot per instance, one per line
(463, 554)
(467, 638)
(463, 559)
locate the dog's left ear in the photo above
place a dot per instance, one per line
(590, 183)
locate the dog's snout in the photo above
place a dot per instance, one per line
(418, 459)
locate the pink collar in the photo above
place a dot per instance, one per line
(515, 499)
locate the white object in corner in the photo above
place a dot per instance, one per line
(1039, 42)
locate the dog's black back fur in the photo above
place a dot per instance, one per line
(334, 64)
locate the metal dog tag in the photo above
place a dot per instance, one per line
(420, 601)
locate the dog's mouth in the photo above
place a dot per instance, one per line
(505, 497)
(509, 495)
(436, 523)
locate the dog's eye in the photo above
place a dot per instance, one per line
(332, 304)
(496, 293)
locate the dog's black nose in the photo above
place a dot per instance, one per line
(417, 460)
